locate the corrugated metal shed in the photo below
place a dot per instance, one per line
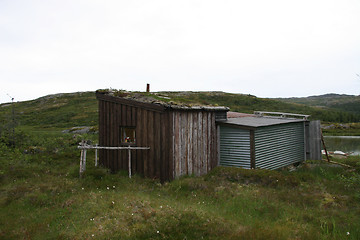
(262, 142)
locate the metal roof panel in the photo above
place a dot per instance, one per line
(260, 121)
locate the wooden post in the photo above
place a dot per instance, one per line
(323, 142)
(129, 153)
(81, 161)
(96, 156)
(84, 161)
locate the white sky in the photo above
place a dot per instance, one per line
(267, 48)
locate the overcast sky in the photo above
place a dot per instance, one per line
(267, 48)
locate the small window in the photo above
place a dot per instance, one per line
(127, 135)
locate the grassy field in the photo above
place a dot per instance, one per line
(42, 197)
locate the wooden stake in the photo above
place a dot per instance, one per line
(129, 153)
(84, 161)
(323, 142)
(341, 164)
(81, 161)
(96, 156)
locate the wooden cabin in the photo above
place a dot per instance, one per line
(182, 139)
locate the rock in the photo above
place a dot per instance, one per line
(328, 127)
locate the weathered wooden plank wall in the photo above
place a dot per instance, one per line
(315, 140)
(182, 142)
(195, 142)
(153, 129)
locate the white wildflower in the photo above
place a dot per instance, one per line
(157, 232)
(347, 233)
(107, 188)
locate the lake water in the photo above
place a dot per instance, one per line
(346, 144)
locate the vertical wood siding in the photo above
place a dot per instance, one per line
(153, 129)
(314, 140)
(195, 142)
(181, 142)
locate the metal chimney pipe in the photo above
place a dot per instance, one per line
(148, 87)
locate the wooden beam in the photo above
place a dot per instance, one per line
(323, 142)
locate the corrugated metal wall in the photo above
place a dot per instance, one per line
(280, 145)
(234, 147)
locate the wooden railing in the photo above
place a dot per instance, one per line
(84, 147)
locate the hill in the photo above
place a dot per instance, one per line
(332, 101)
(80, 109)
(58, 110)
(250, 103)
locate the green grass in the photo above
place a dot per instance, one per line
(42, 197)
